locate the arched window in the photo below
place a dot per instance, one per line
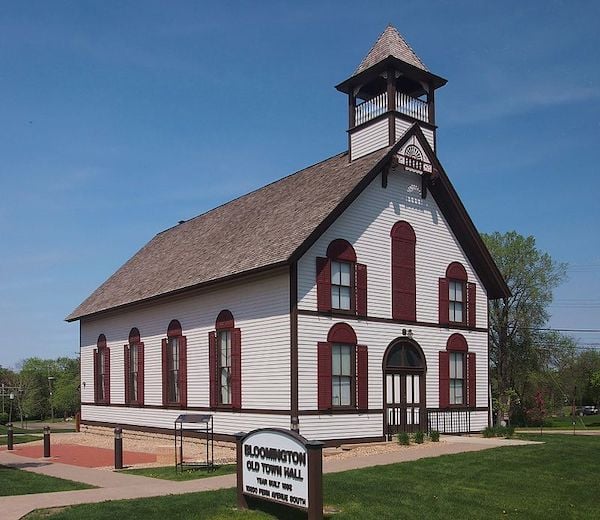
(174, 366)
(404, 282)
(342, 370)
(134, 369)
(101, 371)
(457, 374)
(404, 355)
(341, 281)
(225, 363)
(457, 297)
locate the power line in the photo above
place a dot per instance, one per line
(596, 331)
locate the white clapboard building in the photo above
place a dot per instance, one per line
(347, 301)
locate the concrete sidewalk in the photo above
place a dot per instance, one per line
(119, 486)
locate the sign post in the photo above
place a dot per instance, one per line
(280, 466)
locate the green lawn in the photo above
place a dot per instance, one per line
(587, 422)
(18, 482)
(558, 479)
(169, 473)
(19, 439)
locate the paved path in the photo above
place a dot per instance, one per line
(118, 486)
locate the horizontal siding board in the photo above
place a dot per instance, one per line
(261, 311)
(369, 139)
(327, 427)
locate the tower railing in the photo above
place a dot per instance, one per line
(371, 108)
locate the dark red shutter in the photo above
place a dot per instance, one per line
(444, 304)
(236, 368)
(183, 371)
(471, 380)
(323, 284)
(140, 374)
(444, 379)
(126, 371)
(404, 284)
(361, 289)
(324, 375)
(107, 375)
(165, 371)
(96, 361)
(362, 377)
(212, 370)
(471, 304)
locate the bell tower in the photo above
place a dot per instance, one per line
(390, 91)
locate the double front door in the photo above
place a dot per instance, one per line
(404, 401)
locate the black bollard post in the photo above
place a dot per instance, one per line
(46, 441)
(118, 448)
(9, 435)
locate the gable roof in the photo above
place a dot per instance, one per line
(259, 230)
(390, 43)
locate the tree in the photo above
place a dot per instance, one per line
(516, 346)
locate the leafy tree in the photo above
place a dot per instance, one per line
(517, 349)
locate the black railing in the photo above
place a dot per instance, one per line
(449, 421)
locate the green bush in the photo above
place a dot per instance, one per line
(418, 437)
(499, 431)
(3, 417)
(434, 436)
(403, 438)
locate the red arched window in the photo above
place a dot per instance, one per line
(133, 353)
(404, 282)
(225, 363)
(174, 366)
(101, 371)
(457, 297)
(342, 370)
(341, 281)
(457, 374)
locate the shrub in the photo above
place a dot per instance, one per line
(489, 432)
(3, 418)
(499, 431)
(403, 439)
(434, 436)
(418, 437)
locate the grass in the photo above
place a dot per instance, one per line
(566, 423)
(18, 482)
(558, 479)
(169, 473)
(20, 439)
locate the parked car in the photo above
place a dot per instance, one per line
(586, 410)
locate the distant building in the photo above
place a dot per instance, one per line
(347, 301)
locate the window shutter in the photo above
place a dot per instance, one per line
(444, 379)
(212, 369)
(107, 375)
(404, 285)
(236, 368)
(96, 358)
(141, 374)
(471, 304)
(361, 289)
(183, 371)
(324, 375)
(323, 284)
(471, 380)
(362, 377)
(444, 305)
(126, 372)
(165, 368)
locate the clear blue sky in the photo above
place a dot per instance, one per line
(118, 119)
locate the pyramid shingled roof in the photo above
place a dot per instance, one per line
(390, 43)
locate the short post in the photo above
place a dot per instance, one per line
(315, 480)
(77, 422)
(118, 448)
(46, 441)
(242, 503)
(9, 435)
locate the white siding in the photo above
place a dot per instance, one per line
(326, 427)
(369, 139)
(366, 224)
(260, 309)
(428, 133)
(403, 125)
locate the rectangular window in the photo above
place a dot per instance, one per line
(133, 374)
(456, 301)
(341, 285)
(342, 375)
(457, 378)
(173, 360)
(224, 369)
(102, 379)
